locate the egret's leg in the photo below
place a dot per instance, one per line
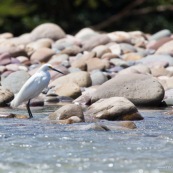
(29, 110)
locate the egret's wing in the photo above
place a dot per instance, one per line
(32, 88)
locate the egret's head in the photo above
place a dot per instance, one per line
(47, 67)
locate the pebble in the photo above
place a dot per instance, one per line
(134, 65)
(98, 77)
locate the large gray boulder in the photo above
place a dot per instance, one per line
(140, 89)
(114, 108)
(15, 81)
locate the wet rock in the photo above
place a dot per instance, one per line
(47, 30)
(119, 125)
(6, 115)
(97, 64)
(161, 34)
(114, 108)
(98, 77)
(68, 111)
(69, 89)
(15, 81)
(94, 41)
(166, 48)
(42, 55)
(138, 88)
(128, 124)
(90, 126)
(81, 78)
(5, 96)
(10, 115)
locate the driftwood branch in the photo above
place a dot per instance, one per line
(129, 10)
(160, 8)
(118, 16)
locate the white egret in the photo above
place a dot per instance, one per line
(33, 87)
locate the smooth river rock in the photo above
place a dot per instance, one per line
(5, 96)
(81, 78)
(69, 89)
(152, 59)
(114, 108)
(68, 111)
(166, 48)
(42, 55)
(15, 80)
(140, 89)
(47, 30)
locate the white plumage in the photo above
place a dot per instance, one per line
(33, 86)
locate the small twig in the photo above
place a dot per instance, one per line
(127, 10)
(160, 8)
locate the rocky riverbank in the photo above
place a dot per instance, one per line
(107, 75)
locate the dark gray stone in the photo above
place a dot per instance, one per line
(15, 81)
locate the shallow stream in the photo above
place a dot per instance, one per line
(35, 146)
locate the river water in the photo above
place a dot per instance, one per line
(35, 146)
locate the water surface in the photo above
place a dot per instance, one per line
(36, 146)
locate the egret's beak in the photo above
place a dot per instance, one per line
(56, 70)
